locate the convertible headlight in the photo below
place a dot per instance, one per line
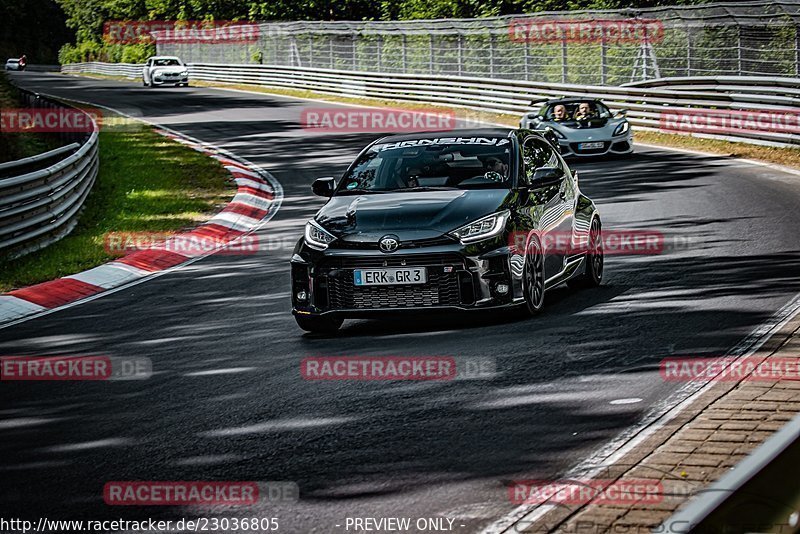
(484, 228)
(317, 237)
(622, 128)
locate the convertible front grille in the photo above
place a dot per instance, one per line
(441, 289)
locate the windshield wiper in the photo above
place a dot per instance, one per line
(426, 188)
(362, 191)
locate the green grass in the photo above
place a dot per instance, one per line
(146, 183)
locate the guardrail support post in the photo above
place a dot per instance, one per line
(430, 46)
(797, 51)
(354, 51)
(460, 54)
(491, 55)
(310, 50)
(603, 66)
(403, 48)
(379, 45)
(564, 59)
(739, 66)
(330, 50)
(527, 60)
(688, 51)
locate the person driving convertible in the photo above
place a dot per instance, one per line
(585, 112)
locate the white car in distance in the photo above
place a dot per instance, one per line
(165, 70)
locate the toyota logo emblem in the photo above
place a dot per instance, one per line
(389, 243)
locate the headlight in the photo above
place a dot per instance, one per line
(317, 237)
(185, 73)
(622, 128)
(484, 228)
(558, 134)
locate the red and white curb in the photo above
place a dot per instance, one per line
(258, 198)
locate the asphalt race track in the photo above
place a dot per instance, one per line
(227, 401)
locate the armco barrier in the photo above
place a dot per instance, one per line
(645, 105)
(41, 196)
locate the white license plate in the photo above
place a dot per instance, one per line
(590, 146)
(390, 277)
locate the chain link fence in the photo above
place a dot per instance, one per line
(595, 47)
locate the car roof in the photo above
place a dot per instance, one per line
(464, 132)
(165, 57)
(12, 59)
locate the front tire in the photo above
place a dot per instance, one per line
(318, 324)
(593, 270)
(533, 277)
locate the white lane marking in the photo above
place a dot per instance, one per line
(277, 425)
(658, 416)
(632, 400)
(277, 191)
(228, 371)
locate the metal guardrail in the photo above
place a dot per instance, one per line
(588, 47)
(40, 204)
(647, 102)
(762, 494)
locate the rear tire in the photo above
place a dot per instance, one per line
(593, 269)
(318, 324)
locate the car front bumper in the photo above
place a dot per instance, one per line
(622, 144)
(459, 278)
(170, 80)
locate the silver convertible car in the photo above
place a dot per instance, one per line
(584, 127)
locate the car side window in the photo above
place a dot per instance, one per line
(536, 153)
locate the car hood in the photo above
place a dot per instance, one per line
(409, 215)
(177, 69)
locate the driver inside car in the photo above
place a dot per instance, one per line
(584, 112)
(494, 164)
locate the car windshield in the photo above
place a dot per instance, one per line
(12, 61)
(169, 62)
(576, 110)
(431, 164)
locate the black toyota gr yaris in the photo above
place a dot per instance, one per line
(457, 220)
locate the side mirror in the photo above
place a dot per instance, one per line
(621, 113)
(324, 187)
(547, 177)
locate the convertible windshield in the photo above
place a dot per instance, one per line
(431, 164)
(576, 110)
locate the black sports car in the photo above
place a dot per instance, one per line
(466, 219)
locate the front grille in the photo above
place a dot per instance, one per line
(575, 149)
(393, 260)
(404, 245)
(441, 289)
